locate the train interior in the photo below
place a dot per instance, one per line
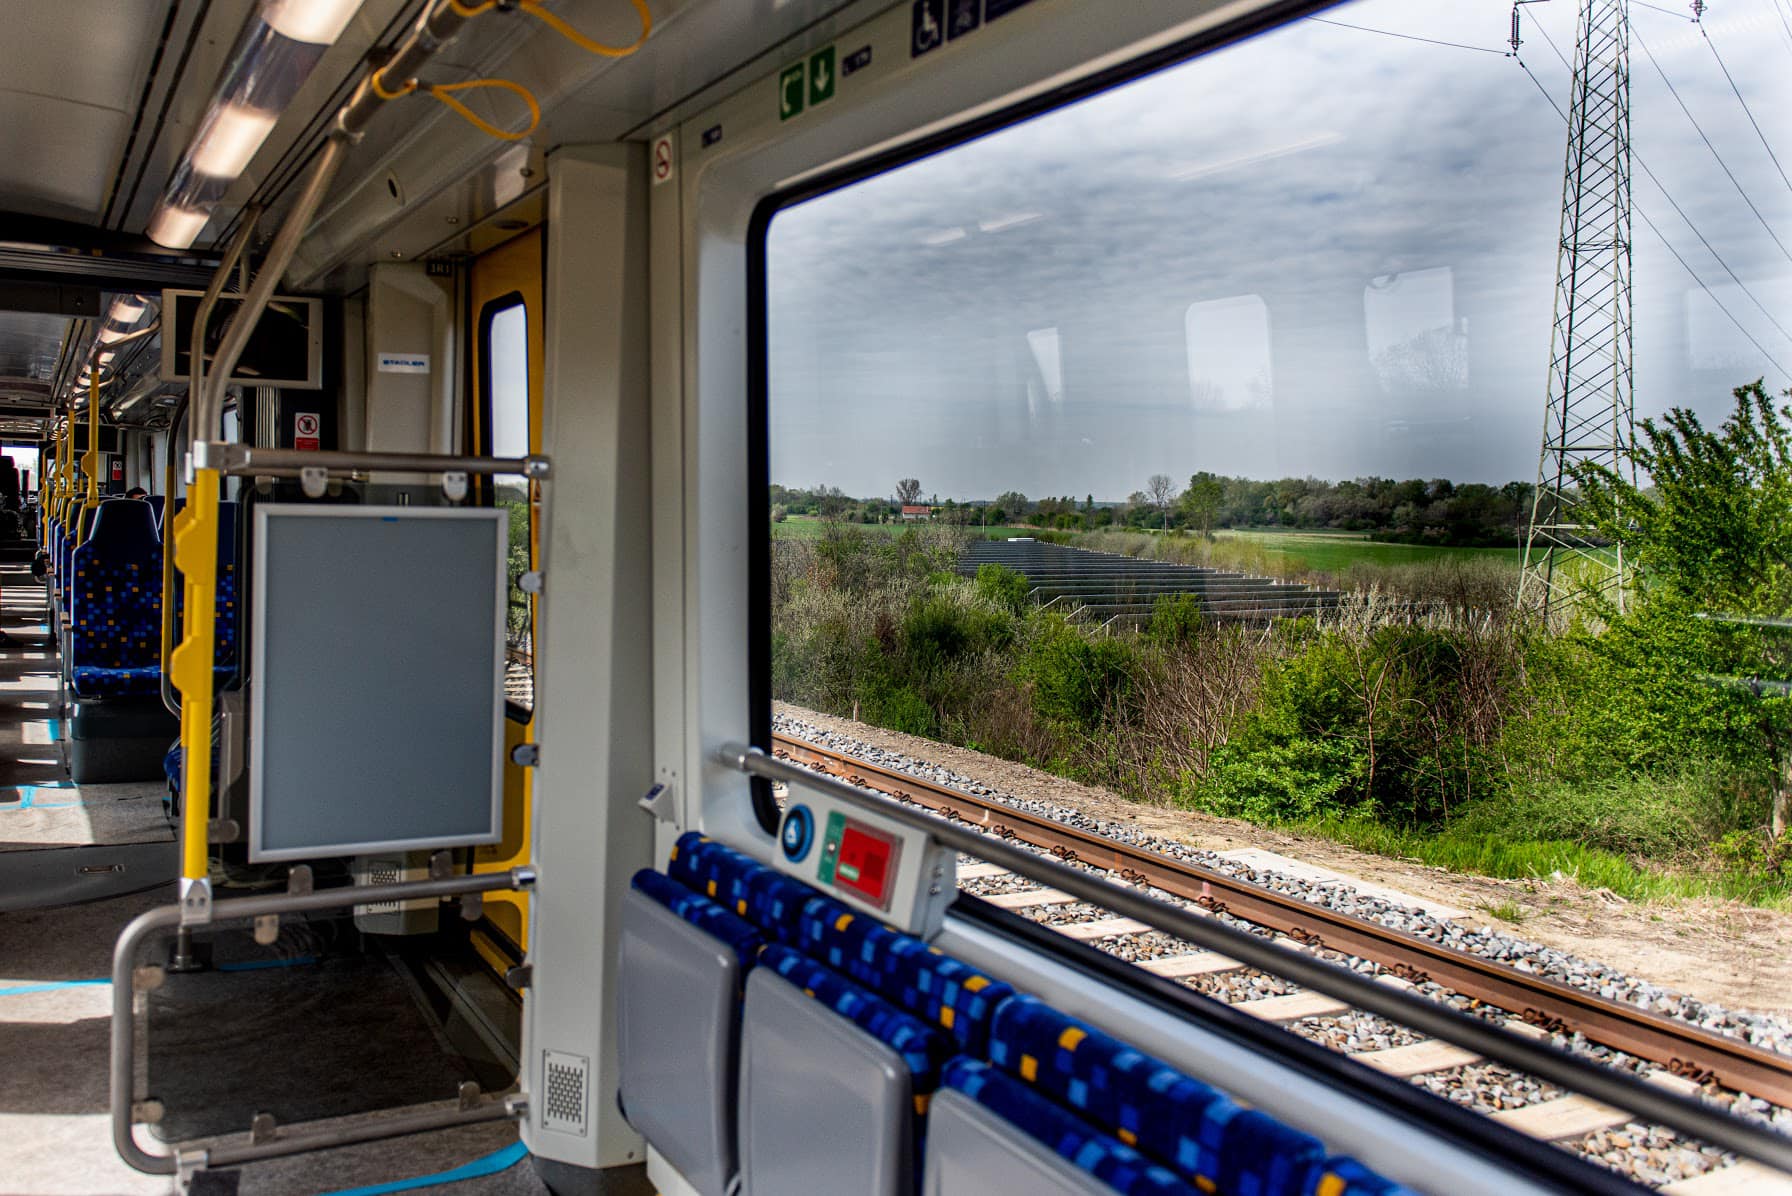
(390, 797)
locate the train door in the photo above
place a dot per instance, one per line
(507, 323)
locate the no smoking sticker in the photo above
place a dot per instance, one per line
(305, 431)
(663, 160)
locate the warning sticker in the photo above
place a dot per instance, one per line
(306, 431)
(662, 160)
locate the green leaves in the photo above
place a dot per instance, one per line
(1715, 528)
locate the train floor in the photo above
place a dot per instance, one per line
(324, 1023)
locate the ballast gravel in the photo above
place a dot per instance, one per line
(1652, 1155)
(1774, 1034)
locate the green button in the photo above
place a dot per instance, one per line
(821, 76)
(790, 91)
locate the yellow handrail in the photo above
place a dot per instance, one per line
(195, 543)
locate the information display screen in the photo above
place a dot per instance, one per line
(376, 679)
(286, 349)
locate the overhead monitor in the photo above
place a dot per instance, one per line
(376, 679)
(286, 349)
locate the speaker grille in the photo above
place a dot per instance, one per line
(565, 1079)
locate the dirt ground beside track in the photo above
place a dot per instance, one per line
(1720, 951)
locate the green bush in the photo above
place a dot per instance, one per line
(1278, 781)
(1668, 816)
(1175, 619)
(1077, 679)
(1004, 587)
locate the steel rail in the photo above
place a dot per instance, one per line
(1683, 1049)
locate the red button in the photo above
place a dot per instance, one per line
(865, 864)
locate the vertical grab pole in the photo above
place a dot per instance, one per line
(196, 554)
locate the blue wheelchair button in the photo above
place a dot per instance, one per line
(799, 832)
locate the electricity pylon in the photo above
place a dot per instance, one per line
(1589, 412)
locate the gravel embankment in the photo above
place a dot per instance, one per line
(1650, 1154)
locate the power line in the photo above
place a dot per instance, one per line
(1675, 92)
(1662, 237)
(1745, 108)
(1657, 8)
(1675, 204)
(1408, 37)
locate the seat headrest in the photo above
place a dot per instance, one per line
(123, 523)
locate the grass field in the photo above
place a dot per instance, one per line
(1336, 552)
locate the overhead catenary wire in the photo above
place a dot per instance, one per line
(1653, 227)
(1749, 112)
(1725, 166)
(1408, 37)
(1672, 202)
(1669, 245)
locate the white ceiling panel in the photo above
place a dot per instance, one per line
(56, 157)
(71, 76)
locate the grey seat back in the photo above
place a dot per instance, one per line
(677, 1017)
(825, 1107)
(973, 1152)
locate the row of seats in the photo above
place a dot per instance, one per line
(773, 1035)
(109, 583)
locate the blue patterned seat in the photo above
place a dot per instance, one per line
(1106, 1158)
(1172, 1117)
(115, 608)
(1347, 1177)
(923, 1050)
(706, 915)
(224, 632)
(906, 971)
(767, 898)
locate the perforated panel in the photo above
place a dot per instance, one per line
(565, 1081)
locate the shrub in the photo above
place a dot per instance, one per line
(1667, 816)
(1077, 679)
(1004, 587)
(1175, 619)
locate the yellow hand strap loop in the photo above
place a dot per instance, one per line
(445, 93)
(442, 92)
(534, 9)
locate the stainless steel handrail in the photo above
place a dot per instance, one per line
(249, 459)
(1546, 1060)
(300, 1139)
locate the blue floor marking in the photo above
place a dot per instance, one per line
(28, 799)
(256, 965)
(491, 1164)
(248, 965)
(51, 986)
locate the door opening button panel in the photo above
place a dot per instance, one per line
(895, 872)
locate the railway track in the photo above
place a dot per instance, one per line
(1685, 1057)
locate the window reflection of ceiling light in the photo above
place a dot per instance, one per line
(126, 309)
(1003, 223)
(1198, 170)
(945, 238)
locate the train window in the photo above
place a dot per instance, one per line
(1276, 319)
(504, 358)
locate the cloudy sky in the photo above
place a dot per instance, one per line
(1324, 251)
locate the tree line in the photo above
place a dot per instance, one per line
(1415, 511)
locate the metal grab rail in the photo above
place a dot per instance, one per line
(1612, 1087)
(124, 1024)
(240, 460)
